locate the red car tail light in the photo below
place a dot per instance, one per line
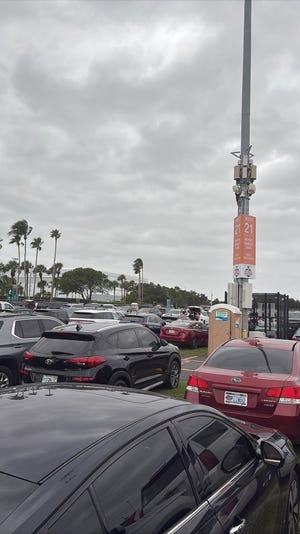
(82, 379)
(197, 385)
(285, 395)
(274, 392)
(27, 355)
(290, 395)
(87, 361)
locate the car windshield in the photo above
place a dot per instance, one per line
(254, 360)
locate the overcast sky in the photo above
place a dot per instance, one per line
(117, 120)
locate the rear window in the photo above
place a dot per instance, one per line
(133, 319)
(252, 359)
(64, 343)
(89, 315)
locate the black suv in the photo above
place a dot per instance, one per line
(91, 459)
(18, 332)
(105, 353)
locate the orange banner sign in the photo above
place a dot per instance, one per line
(244, 240)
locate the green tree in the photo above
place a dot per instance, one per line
(113, 284)
(36, 244)
(26, 267)
(21, 230)
(55, 234)
(84, 281)
(55, 271)
(138, 268)
(121, 279)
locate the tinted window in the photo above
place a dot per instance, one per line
(28, 329)
(133, 319)
(63, 345)
(252, 359)
(217, 450)
(147, 338)
(127, 339)
(146, 488)
(48, 324)
(80, 517)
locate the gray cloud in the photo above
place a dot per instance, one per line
(117, 123)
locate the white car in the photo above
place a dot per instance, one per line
(6, 306)
(91, 315)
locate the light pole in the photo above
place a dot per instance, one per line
(244, 176)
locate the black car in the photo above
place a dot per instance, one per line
(104, 353)
(18, 332)
(91, 459)
(150, 320)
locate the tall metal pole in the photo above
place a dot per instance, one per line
(243, 201)
(245, 172)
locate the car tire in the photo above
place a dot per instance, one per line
(292, 512)
(118, 379)
(195, 343)
(6, 377)
(173, 374)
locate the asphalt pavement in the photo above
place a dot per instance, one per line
(189, 364)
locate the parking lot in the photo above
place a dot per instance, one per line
(189, 364)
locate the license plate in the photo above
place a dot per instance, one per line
(171, 331)
(49, 379)
(233, 397)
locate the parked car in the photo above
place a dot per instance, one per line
(5, 306)
(59, 313)
(253, 379)
(185, 332)
(18, 332)
(204, 317)
(150, 320)
(293, 322)
(94, 315)
(107, 353)
(171, 315)
(296, 335)
(118, 460)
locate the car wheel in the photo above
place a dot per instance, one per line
(292, 513)
(118, 380)
(173, 375)
(6, 377)
(195, 343)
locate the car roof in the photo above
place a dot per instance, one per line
(33, 444)
(106, 324)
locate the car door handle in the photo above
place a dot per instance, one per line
(238, 528)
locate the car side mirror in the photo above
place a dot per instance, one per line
(271, 454)
(163, 343)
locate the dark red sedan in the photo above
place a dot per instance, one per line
(252, 379)
(185, 333)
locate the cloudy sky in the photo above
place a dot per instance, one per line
(117, 120)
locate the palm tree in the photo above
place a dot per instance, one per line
(26, 267)
(113, 284)
(55, 234)
(37, 244)
(21, 229)
(40, 270)
(122, 279)
(138, 268)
